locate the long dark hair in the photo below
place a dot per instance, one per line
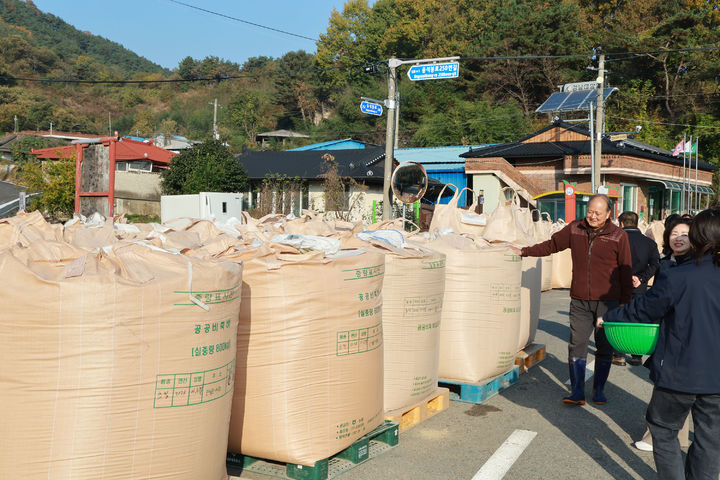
(705, 235)
(669, 228)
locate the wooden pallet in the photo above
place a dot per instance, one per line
(530, 356)
(380, 440)
(429, 406)
(481, 391)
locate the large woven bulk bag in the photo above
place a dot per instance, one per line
(310, 343)
(451, 218)
(480, 320)
(530, 291)
(25, 228)
(542, 234)
(413, 291)
(508, 222)
(115, 365)
(562, 262)
(655, 230)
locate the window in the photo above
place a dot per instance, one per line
(629, 198)
(121, 167)
(224, 207)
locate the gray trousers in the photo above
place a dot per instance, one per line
(665, 416)
(583, 316)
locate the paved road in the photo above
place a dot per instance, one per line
(591, 442)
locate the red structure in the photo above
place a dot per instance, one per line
(119, 150)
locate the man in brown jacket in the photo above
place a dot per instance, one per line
(601, 280)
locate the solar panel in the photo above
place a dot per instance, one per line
(572, 101)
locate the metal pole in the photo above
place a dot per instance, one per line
(599, 122)
(592, 151)
(393, 63)
(397, 119)
(697, 153)
(682, 192)
(215, 130)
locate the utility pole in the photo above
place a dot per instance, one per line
(51, 124)
(393, 63)
(397, 117)
(16, 124)
(599, 122)
(216, 135)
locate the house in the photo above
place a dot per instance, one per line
(114, 175)
(644, 178)
(307, 169)
(283, 134)
(10, 139)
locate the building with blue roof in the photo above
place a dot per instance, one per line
(443, 164)
(342, 144)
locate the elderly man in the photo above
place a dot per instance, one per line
(601, 280)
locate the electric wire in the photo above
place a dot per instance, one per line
(243, 21)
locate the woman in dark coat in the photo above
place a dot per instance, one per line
(684, 368)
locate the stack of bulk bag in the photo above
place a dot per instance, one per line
(451, 218)
(25, 228)
(542, 234)
(481, 308)
(412, 294)
(562, 262)
(116, 365)
(310, 344)
(513, 224)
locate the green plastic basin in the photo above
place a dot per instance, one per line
(632, 338)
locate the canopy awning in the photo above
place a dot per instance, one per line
(678, 187)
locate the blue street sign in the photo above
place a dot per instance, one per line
(434, 71)
(371, 108)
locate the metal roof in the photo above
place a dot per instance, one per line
(678, 186)
(342, 144)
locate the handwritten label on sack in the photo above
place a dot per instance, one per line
(422, 306)
(507, 293)
(361, 340)
(185, 389)
(433, 264)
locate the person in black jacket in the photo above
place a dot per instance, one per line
(684, 366)
(645, 262)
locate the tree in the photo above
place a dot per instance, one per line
(21, 149)
(207, 167)
(246, 113)
(55, 182)
(144, 125)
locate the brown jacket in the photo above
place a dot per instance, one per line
(602, 269)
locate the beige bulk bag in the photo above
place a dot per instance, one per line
(508, 222)
(412, 293)
(542, 234)
(111, 368)
(562, 262)
(310, 344)
(480, 321)
(643, 225)
(25, 228)
(656, 230)
(450, 217)
(531, 284)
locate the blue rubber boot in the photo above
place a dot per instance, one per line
(577, 382)
(602, 371)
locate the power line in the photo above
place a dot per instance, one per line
(663, 123)
(243, 21)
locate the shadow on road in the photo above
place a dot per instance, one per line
(580, 424)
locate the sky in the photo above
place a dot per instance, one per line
(165, 32)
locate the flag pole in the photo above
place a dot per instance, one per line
(682, 192)
(697, 156)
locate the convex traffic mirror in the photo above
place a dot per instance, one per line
(409, 182)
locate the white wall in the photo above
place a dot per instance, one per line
(490, 186)
(360, 200)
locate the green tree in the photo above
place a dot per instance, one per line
(21, 149)
(207, 167)
(54, 181)
(246, 113)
